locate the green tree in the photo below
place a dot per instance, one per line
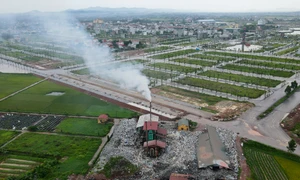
(294, 84)
(288, 90)
(292, 145)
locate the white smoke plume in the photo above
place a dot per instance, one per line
(127, 76)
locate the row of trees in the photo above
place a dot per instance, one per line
(290, 88)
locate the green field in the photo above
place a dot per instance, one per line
(196, 62)
(84, 71)
(89, 127)
(285, 74)
(10, 83)
(241, 78)
(161, 48)
(267, 162)
(289, 50)
(5, 136)
(270, 64)
(222, 87)
(158, 74)
(217, 58)
(72, 102)
(76, 152)
(174, 67)
(174, 54)
(250, 56)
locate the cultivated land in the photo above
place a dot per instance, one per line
(174, 54)
(158, 74)
(173, 67)
(270, 64)
(216, 58)
(5, 136)
(267, 162)
(241, 78)
(285, 74)
(74, 152)
(193, 61)
(222, 87)
(89, 127)
(72, 102)
(162, 48)
(10, 83)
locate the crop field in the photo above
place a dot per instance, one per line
(216, 58)
(285, 74)
(270, 47)
(49, 123)
(174, 54)
(76, 152)
(267, 162)
(5, 136)
(22, 56)
(84, 71)
(18, 121)
(10, 83)
(161, 48)
(158, 74)
(289, 50)
(270, 64)
(17, 165)
(222, 87)
(253, 57)
(89, 127)
(174, 67)
(241, 78)
(71, 102)
(175, 41)
(194, 61)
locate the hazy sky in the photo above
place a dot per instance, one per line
(8, 6)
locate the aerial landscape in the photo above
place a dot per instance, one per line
(140, 90)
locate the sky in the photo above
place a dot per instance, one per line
(16, 6)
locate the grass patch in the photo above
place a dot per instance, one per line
(10, 83)
(289, 50)
(241, 78)
(72, 102)
(216, 58)
(78, 150)
(222, 87)
(5, 136)
(285, 74)
(83, 127)
(162, 48)
(173, 67)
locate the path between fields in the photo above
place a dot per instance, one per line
(23, 89)
(245, 170)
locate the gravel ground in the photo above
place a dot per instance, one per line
(179, 156)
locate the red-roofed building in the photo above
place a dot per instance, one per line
(102, 118)
(175, 176)
(149, 125)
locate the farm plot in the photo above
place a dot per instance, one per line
(174, 54)
(285, 74)
(16, 166)
(196, 62)
(75, 152)
(38, 99)
(162, 48)
(173, 67)
(17, 121)
(264, 161)
(5, 136)
(241, 78)
(49, 123)
(89, 127)
(264, 166)
(216, 58)
(270, 64)
(22, 56)
(158, 74)
(250, 56)
(222, 87)
(10, 83)
(289, 50)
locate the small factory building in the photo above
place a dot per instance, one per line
(183, 125)
(211, 151)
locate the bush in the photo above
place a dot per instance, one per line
(32, 128)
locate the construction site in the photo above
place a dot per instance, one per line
(167, 150)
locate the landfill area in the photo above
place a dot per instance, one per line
(178, 157)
